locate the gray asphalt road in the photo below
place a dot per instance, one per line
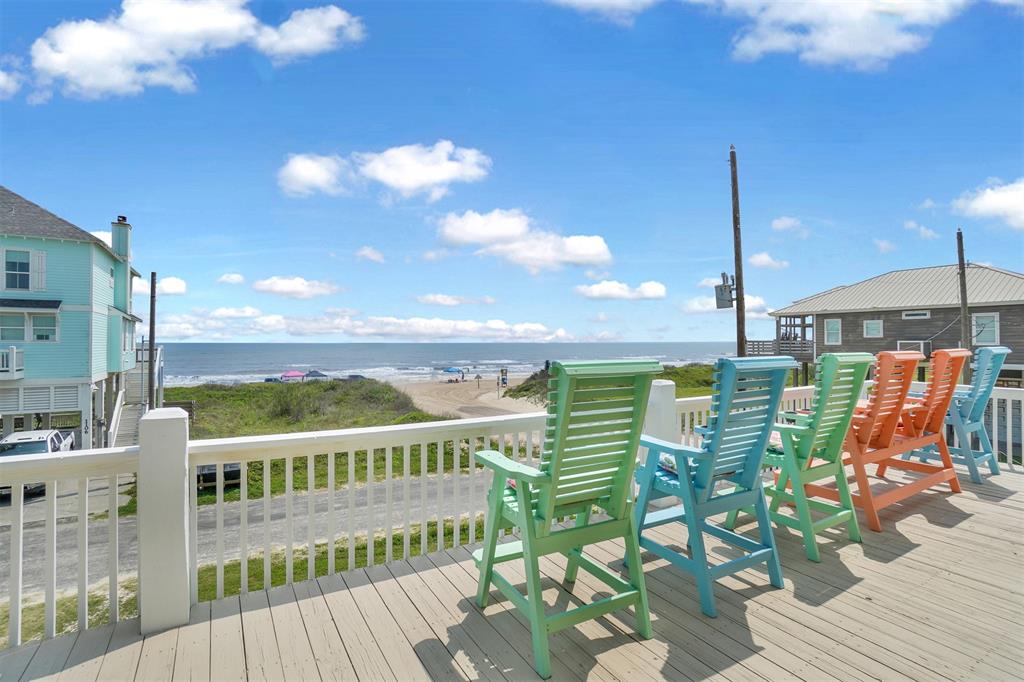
(34, 536)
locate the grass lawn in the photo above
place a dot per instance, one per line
(99, 611)
(691, 380)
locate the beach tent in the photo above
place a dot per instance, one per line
(292, 375)
(315, 375)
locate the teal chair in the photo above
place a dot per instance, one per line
(722, 475)
(967, 417)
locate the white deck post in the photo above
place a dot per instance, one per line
(662, 421)
(164, 593)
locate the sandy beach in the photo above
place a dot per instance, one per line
(465, 399)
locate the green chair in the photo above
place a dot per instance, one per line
(812, 451)
(595, 415)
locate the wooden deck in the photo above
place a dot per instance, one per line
(938, 595)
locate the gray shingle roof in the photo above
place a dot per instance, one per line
(933, 287)
(19, 217)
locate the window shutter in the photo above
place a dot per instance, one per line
(38, 271)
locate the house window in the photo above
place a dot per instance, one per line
(16, 267)
(12, 327)
(985, 329)
(872, 329)
(128, 336)
(833, 332)
(917, 314)
(44, 327)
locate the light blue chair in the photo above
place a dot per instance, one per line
(967, 415)
(722, 475)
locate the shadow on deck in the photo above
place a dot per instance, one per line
(938, 595)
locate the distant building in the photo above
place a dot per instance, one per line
(915, 309)
(315, 375)
(67, 331)
(293, 375)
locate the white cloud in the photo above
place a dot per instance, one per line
(612, 289)
(369, 253)
(499, 225)
(149, 43)
(245, 312)
(305, 174)
(105, 236)
(884, 245)
(165, 286)
(709, 282)
(294, 287)
(436, 254)
(417, 169)
(449, 300)
(231, 278)
(765, 260)
(1002, 201)
(308, 32)
(922, 231)
(10, 83)
(756, 307)
(509, 234)
(926, 205)
(792, 225)
(597, 274)
(619, 11)
(600, 318)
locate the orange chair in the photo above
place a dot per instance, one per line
(890, 425)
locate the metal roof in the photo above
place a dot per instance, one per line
(30, 304)
(19, 217)
(933, 287)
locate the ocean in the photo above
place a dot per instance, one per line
(188, 364)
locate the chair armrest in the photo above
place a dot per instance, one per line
(797, 430)
(702, 430)
(510, 468)
(797, 417)
(664, 446)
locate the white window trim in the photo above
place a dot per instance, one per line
(3, 259)
(881, 330)
(974, 329)
(825, 330)
(916, 314)
(29, 328)
(24, 326)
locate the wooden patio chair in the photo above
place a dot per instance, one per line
(966, 416)
(890, 425)
(595, 415)
(812, 451)
(743, 409)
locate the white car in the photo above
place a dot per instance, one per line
(32, 443)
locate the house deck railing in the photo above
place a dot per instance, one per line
(12, 363)
(394, 488)
(798, 348)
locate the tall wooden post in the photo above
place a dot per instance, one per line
(741, 307)
(151, 373)
(966, 341)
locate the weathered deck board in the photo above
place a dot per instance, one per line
(937, 596)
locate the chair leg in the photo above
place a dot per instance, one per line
(492, 525)
(645, 481)
(701, 572)
(572, 566)
(947, 463)
(803, 512)
(764, 526)
(866, 499)
(986, 446)
(636, 579)
(535, 611)
(846, 501)
(966, 452)
(780, 485)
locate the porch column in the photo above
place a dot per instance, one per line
(164, 593)
(662, 421)
(85, 408)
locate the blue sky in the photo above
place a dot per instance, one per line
(515, 170)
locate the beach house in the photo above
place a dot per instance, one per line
(913, 309)
(67, 331)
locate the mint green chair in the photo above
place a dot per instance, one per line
(595, 414)
(722, 475)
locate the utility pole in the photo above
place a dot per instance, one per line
(966, 341)
(741, 307)
(151, 375)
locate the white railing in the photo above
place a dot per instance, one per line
(350, 498)
(12, 363)
(115, 419)
(74, 470)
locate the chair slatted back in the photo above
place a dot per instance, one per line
(894, 370)
(838, 383)
(596, 412)
(947, 364)
(743, 409)
(987, 365)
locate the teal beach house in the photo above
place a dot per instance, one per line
(67, 332)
